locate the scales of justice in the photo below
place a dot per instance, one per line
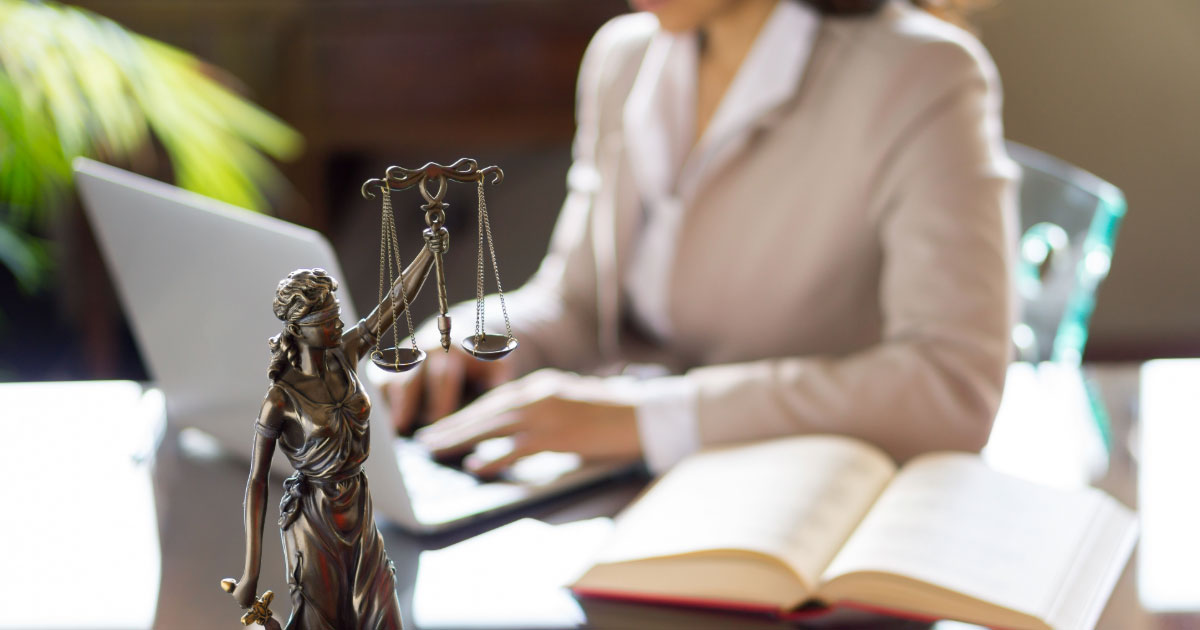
(339, 575)
(481, 345)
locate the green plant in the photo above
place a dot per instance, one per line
(73, 83)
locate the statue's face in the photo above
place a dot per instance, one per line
(326, 334)
(679, 16)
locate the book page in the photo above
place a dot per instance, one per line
(949, 521)
(794, 499)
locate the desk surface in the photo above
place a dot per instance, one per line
(198, 499)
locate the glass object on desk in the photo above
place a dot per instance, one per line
(1069, 220)
(1046, 428)
(1051, 426)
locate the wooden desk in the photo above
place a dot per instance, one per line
(199, 495)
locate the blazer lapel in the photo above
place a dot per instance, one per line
(769, 79)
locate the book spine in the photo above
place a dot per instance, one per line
(685, 602)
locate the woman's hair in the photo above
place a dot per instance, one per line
(300, 293)
(954, 11)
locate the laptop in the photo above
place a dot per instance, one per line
(196, 277)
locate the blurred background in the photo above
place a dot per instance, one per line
(1109, 86)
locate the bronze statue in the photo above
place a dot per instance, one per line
(316, 411)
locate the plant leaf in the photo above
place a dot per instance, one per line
(103, 90)
(25, 257)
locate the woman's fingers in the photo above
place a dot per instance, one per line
(439, 385)
(492, 464)
(513, 408)
(539, 414)
(462, 431)
(497, 413)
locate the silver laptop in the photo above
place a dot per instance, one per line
(196, 278)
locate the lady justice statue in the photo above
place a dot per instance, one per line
(316, 412)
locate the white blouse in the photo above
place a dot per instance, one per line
(668, 163)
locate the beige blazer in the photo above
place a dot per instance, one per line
(845, 271)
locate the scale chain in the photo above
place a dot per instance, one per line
(389, 252)
(479, 269)
(487, 226)
(389, 220)
(395, 247)
(387, 203)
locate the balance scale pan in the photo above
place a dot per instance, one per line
(489, 347)
(397, 359)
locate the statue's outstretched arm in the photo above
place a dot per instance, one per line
(357, 342)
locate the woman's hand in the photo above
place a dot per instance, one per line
(548, 410)
(440, 382)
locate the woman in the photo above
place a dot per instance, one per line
(317, 413)
(801, 212)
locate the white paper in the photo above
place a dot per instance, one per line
(513, 576)
(80, 529)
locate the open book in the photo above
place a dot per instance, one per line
(827, 520)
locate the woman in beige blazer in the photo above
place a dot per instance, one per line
(803, 218)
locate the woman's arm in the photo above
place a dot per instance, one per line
(557, 315)
(934, 380)
(359, 340)
(267, 429)
(947, 212)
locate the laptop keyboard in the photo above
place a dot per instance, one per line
(424, 477)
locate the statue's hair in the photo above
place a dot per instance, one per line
(300, 293)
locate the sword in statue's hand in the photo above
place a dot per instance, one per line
(259, 612)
